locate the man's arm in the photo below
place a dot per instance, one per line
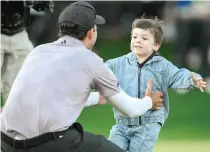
(127, 105)
(93, 99)
(106, 83)
(97, 98)
(130, 106)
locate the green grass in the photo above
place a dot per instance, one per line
(189, 118)
(182, 146)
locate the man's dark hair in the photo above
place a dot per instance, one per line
(73, 30)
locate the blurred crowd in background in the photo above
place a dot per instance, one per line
(187, 27)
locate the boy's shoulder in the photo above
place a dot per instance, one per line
(159, 63)
(120, 58)
(160, 59)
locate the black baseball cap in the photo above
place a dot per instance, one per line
(81, 14)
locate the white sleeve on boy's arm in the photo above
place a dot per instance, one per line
(93, 99)
(130, 106)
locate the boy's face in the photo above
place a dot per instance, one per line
(142, 42)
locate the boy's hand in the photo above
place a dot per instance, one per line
(198, 82)
(157, 101)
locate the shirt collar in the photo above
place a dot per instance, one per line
(68, 40)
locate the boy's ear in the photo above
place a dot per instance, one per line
(156, 47)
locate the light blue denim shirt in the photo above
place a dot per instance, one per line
(133, 81)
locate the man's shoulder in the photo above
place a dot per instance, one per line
(91, 59)
(42, 46)
(91, 56)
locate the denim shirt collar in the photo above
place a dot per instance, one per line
(133, 58)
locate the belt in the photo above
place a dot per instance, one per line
(29, 143)
(129, 121)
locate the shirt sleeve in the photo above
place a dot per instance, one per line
(104, 80)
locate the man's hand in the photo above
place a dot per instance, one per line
(157, 100)
(198, 82)
(102, 100)
(148, 91)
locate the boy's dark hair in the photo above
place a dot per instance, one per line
(73, 30)
(153, 24)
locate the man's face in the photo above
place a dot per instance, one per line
(142, 42)
(93, 37)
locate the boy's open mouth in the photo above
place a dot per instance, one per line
(138, 47)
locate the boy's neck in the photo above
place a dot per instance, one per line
(141, 59)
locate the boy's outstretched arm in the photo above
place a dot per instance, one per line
(182, 78)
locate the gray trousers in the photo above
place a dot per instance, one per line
(14, 50)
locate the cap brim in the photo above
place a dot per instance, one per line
(100, 20)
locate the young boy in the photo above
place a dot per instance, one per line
(133, 70)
